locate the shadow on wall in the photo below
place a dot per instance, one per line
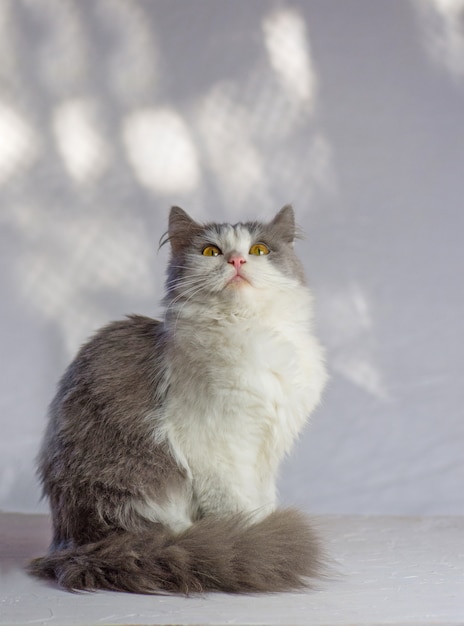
(93, 151)
(443, 33)
(110, 112)
(96, 145)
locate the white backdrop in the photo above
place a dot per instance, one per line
(113, 110)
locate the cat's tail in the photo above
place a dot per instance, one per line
(275, 554)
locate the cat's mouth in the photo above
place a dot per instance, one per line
(237, 280)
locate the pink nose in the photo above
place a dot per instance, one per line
(236, 260)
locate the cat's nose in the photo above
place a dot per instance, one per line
(237, 260)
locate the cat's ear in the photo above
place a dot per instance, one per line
(284, 224)
(181, 228)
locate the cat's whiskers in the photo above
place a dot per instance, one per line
(185, 282)
(194, 286)
(188, 281)
(186, 289)
(190, 295)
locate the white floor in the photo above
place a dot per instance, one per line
(390, 570)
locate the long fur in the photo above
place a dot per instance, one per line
(164, 438)
(230, 555)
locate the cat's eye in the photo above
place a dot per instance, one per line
(211, 251)
(258, 249)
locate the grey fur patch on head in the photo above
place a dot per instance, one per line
(284, 224)
(181, 229)
(280, 235)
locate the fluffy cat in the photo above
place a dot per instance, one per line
(164, 437)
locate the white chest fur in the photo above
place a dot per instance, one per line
(240, 392)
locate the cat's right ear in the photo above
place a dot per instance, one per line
(284, 224)
(181, 229)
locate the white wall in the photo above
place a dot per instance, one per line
(111, 111)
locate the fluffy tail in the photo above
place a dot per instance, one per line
(275, 554)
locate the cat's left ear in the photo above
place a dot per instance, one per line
(284, 224)
(181, 229)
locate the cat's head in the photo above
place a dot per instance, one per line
(229, 265)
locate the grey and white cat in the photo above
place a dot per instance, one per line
(164, 438)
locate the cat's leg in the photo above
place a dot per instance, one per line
(223, 494)
(174, 509)
(225, 479)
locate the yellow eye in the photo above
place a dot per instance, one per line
(258, 249)
(211, 251)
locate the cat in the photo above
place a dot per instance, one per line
(164, 438)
